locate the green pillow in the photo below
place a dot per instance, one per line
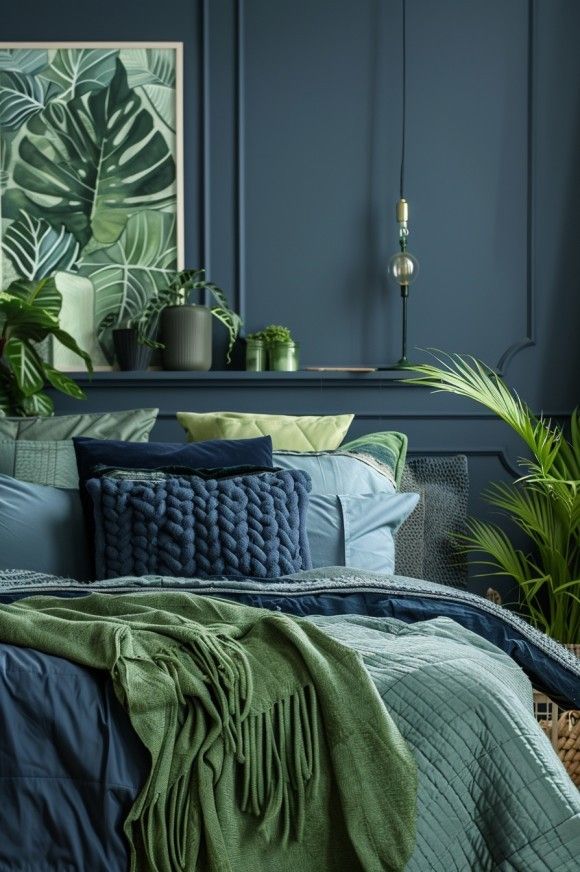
(387, 447)
(134, 425)
(41, 451)
(288, 432)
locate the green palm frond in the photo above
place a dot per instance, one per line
(468, 377)
(491, 540)
(544, 503)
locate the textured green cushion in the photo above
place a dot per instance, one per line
(388, 447)
(41, 451)
(48, 463)
(288, 432)
(134, 425)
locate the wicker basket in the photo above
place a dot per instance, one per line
(562, 728)
(567, 743)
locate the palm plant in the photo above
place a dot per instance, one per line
(29, 312)
(544, 503)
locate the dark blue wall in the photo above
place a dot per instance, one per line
(292, 121)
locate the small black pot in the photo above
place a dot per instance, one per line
(130, 353)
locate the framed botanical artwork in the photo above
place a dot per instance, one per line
(91, 176)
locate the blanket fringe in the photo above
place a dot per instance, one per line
(277, 751)
(282, 757)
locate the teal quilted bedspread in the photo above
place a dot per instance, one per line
(492, 793)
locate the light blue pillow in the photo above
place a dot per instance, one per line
(42, 529)
(337, 472)
(356, 530)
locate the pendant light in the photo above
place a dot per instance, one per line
(403, 266)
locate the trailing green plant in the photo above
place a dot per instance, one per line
(29, 312)
(544, 503)
(273, 334)
(179, 292)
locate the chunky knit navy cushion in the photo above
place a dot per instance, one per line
(211, 522)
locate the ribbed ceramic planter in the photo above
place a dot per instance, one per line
(187, 337)
(130, 353)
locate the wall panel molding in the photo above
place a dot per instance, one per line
(529, 339)
(240, 146)
(205, 221)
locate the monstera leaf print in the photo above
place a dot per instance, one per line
(75, 71)
(91, 163)
(23, 60)
(36, 249)
(152, 71)
(5, 151)
(21, 97)
(127, 274)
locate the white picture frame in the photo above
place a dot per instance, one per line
(99, 92)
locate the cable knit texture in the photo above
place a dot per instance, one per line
(182, 524)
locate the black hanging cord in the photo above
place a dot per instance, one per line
(404, 117)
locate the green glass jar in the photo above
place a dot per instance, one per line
(284, 356)
(256, 355)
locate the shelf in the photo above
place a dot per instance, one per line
(241, 378)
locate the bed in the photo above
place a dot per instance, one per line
(452, 671)
(492, 794)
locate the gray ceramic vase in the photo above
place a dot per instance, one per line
(186, 332)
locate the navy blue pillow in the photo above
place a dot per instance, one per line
(157, 455)
(214, 522)
(91, 453)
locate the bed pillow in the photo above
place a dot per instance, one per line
(339, 472)
(345, 487)
(40, 450)
(356, 531)
(386, 447)
(134, 425)
(425, 543)
(292, 432)
(200, 524)
(155, 455)
(42, 529)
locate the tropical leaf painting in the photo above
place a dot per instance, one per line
(128, 273)
(152, 72)
(88, 172)
(75, 71)
(21, 97)
(27, 61)
(37, 249)
(5, 154)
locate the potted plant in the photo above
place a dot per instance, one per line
(281, 349)
(133, 338)
(185, 326)
(256, 352)
(29, 313)
(130, 352)
(544, 502)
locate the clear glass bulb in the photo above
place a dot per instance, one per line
(403, 267)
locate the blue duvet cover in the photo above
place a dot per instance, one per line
(492, 793)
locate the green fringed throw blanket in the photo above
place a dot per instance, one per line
(270, 747)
